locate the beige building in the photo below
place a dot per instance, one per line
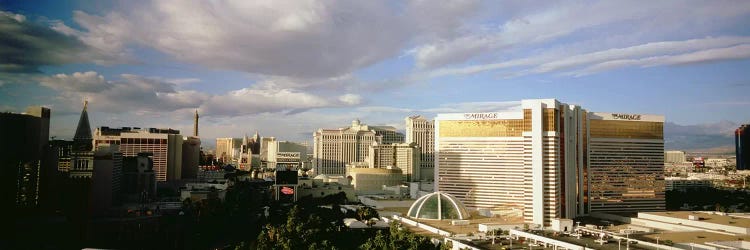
(551, 160)
(421, 131)
(674, 157)
(334, 148)
(372, 180)
(165, 145)
(404, 156)
(228, 148)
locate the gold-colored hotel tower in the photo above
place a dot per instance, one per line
(551, 160)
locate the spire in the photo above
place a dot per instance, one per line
(195, 124)
(82, 139)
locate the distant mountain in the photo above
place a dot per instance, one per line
(709, 136)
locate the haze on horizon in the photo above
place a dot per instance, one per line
(287, 69)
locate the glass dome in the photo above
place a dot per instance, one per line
(438, 206)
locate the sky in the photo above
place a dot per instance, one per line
(287, 68)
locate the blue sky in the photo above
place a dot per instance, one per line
(288, 68)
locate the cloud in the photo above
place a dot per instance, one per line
(306, 39)
(570, 21)
(128, 94)
(646, 55)
(25, 46)
(709, 55)
(270, 99)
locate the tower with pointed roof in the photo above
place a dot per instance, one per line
(82, 156)
(82, 140)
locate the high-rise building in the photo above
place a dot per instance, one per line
(742, 147)
(674, 156)
(106, 178)
(139, 179)
(22, 154)
(228, 149)
(334, 148)
(164, 144)
(625, 162)
(191, 150)
(551, 160)
(404, 156)
(421, 131)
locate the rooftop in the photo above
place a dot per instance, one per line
(735, 220)
(693, 236)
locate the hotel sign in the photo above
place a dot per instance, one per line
(628, 117)
(288, 155)
(480, 116)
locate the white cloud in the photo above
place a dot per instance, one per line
(708, 55)
(303, 39)
(647, 55)
(270, 99)
(128, 94)
(564, 20)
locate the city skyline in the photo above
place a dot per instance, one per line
(288, 70)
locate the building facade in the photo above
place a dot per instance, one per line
(106, 179)
(404, 156)
(334, 148)
(626, 162)
(165, 145)
(191, 147)
(742, 147)
(551, 160)
(22, 155)
(421, 131)
(674, 156)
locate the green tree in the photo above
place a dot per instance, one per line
(398, 237)
(364, 214)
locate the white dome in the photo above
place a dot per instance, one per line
(438, 206)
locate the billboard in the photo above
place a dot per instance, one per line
(286, 194)
(699, 162)
(285, 177)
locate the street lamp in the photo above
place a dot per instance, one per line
(657, 242)
(627, 240)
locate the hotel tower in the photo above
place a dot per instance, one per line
(551, 160)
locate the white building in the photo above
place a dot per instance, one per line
(551, 160)
(334, 148)
(164, 144)
(421, 131)
(674, 156)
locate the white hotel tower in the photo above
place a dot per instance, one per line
(551, 160)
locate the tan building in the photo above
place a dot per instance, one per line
(404, 156)
(674, 157)
(334, 148)
(551, 160)
(228, 148)
(372, 180)
(421, 131)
